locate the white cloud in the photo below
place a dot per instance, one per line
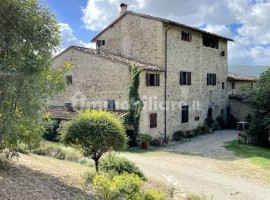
(252, 38)
(68, 39)
(219, 29)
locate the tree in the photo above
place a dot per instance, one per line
(259, 99)
(28, 37)
(94, 133)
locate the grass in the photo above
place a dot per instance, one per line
(257, 155)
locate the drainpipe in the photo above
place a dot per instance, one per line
(165, 83)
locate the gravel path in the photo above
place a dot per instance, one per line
(210, 145)
(208, 169)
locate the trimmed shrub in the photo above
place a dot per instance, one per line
(189, 134)
(94, 133)
(144, 138)
(157, 141)
(89, 177)
(152, 194)
(125, 186)
(57, 151)
(119, 165)
(221, 121)
(178, 135)
(204, 128)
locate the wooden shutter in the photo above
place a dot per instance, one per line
(153, 120)
(147, 79)
(111, 105)
(184, 114)
(208, 79)
(99, 43)
(190, 37)
(189, 78)
(181, 78)
(214, 79)
(157, 79)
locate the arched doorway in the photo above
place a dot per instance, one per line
(210, 113)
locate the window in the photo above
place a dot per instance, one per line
(223, 85)
(197, 118)
(233, 86)
(251, 84)
(100, 43)
(186, 36)
(222, 53)
(152, 79)
(185, 78)
(153, 120)
(184, 114)
(211, 79)
(210, 42)
(222, 111)
(69, 79)
(111, 105)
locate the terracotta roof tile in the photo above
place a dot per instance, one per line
(60, 112)
(239, 77)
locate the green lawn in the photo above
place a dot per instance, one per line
(257, 155)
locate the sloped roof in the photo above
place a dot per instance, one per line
(61, 113)
(161, 20)
(239, 77)
(115, 58)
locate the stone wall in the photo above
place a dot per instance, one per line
(199, 60)
(239, 86)
(136, 38)
(95, 80)
(239, 109)
(153, 99)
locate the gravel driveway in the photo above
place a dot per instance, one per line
(203, 166)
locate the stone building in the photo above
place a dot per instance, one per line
(184, 70)
(237, 83)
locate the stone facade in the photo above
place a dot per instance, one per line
(136, 38)
(144, 39)
(141, 38)
(94, 80)
(237, 87)
(199, 60)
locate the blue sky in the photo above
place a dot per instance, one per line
(246, 21)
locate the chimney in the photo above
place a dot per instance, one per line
(123, 7)
(68, 107)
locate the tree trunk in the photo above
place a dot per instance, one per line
(96, 164)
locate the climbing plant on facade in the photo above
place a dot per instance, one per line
(135, 103)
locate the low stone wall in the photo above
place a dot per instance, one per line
(239, 109)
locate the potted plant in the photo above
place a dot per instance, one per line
(144, 140)
(178, 135)
(189, 134)
(221, 122)
(204, 128)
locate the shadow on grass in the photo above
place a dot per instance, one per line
(20, 182)
(257, 155)
(138, 150)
